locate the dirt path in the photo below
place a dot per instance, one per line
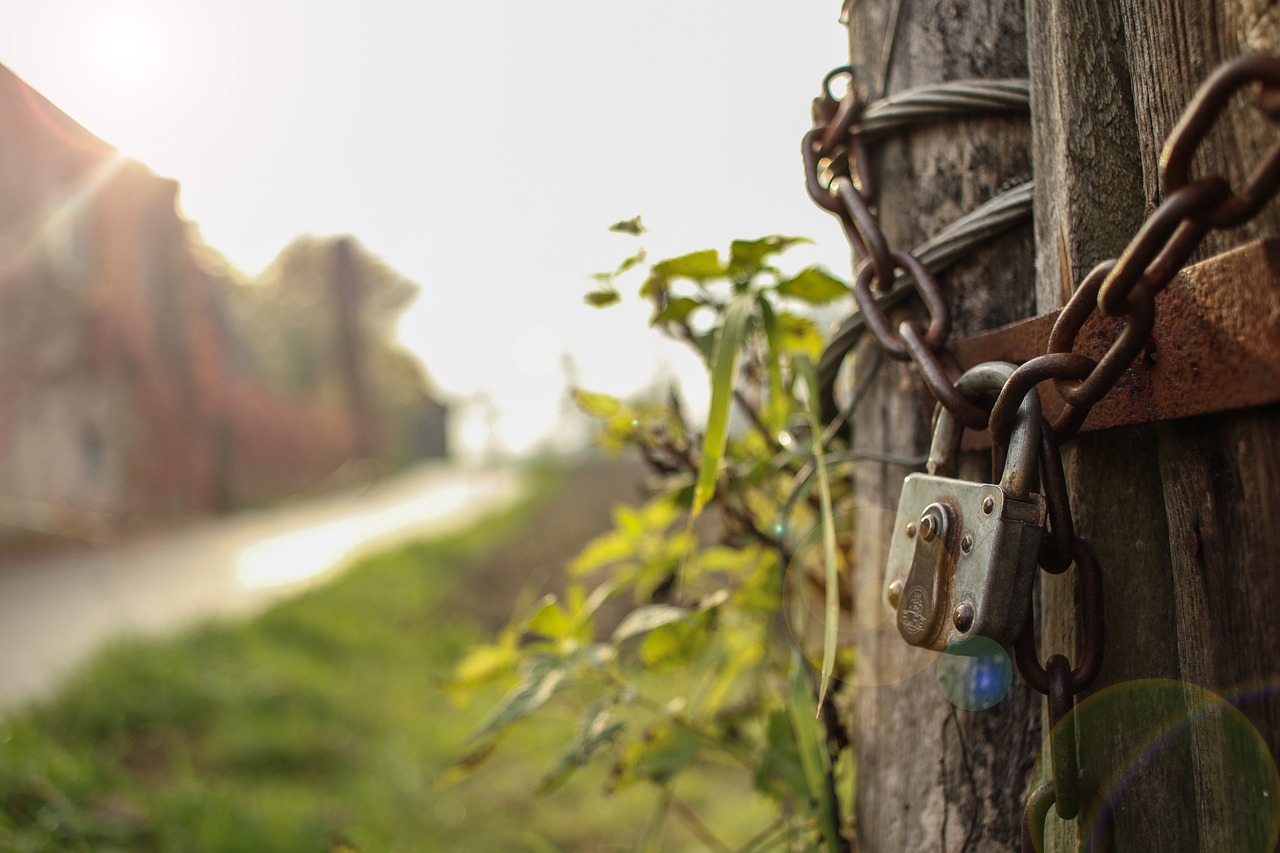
(56, 609)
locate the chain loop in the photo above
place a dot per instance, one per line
(1091, 629)
(878, 320)
(1057, 549)
(1067, 366)
(1062, 738)
(1034, 815)
(1162, 245)
(939, 378)
(1199, 118)
(1084, 393)
(873, 243)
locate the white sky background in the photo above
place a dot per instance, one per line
(480, 148)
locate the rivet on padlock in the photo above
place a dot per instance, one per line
(963, 556)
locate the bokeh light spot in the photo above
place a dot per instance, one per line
(976, 675)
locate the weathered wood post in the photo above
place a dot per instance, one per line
(932, 776)
(1182, 514)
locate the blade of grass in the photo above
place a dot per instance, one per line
(813, 758)
(723, 375)
(831, 621)
(776, 413)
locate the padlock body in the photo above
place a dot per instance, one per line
(985, 560)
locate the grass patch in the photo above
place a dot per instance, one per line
(317, 726)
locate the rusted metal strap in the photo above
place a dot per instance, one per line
(1215, 348)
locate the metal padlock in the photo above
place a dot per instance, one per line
(963, 555)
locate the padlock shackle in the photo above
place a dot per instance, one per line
(1021, 471)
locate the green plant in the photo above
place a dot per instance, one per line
(705, 669)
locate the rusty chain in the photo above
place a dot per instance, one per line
(1127, 286)
(839, 180)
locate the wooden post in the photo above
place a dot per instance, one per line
(932, 776)
(1183, 515)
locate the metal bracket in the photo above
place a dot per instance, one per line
(1215, 347)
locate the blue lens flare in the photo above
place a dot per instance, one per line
(976, 676)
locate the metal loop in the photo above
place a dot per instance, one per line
(937, 253)
(846, 70)
(1034, 815)
(836, 132)
(1020, 469)
(936, 378)
(878, 321)
(860, 167)
(859, 211)
(1056, 549)
(1198, 119)
(820, 194)
(1029, 375)
(1062, 738)
(1085, 393)
(1068, 422)
(1162, 244)
(1091, 630)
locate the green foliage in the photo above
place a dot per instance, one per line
(321, 726)
(668, 647)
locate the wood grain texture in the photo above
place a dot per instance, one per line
(1088, 194)
(1182, 514)
(930, 776)
(1221, 489)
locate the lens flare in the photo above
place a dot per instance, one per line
(976, 675)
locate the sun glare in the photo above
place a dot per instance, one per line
(129, 48)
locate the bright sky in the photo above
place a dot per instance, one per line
(480, 148)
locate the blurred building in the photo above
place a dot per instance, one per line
(135, 373)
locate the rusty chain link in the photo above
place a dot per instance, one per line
(839, 181)
(1127, 286)
(936, 254)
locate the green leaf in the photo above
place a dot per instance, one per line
(781, 773)
(778, 407)
(676, 309)
(630, 226)
(723, 376)
(674, 644)
(815, 286)
(698, 266)
(631, 262)
(550, 620)
(602, 298)
(664, 752)
(812, 756)
(645, 619)
(597, 405)
(799, 335)
(653, 285)
(831, 619)
(602, 551)
(726, 675)
(596, 730)
(539, 685)
(481, 665)
(747, 257)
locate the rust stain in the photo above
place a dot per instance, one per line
(1215, 347)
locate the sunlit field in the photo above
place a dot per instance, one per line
(322, 724)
